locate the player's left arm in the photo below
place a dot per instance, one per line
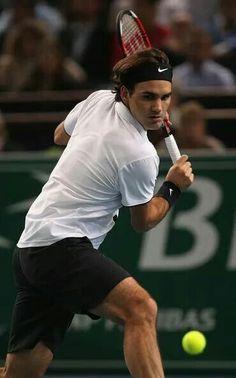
(61, 137)
(146, 216)
(179, 177)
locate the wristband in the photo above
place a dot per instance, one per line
(169, 191)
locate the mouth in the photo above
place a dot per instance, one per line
(155, 118)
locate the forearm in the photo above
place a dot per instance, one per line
(145, 217)
(166, 196)
(158, 207)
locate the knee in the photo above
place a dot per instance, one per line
(143, 309)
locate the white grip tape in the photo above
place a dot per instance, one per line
(172, 148)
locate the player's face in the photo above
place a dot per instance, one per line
(149, 102)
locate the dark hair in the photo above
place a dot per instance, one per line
(30, 27)
(137, 59)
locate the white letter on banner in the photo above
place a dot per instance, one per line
(205, 235)
(231, 265)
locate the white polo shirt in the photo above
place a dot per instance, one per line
(108, 163)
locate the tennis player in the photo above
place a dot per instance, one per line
(108, 163)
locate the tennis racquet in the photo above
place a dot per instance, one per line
(133, 37)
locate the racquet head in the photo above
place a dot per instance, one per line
(131, 33)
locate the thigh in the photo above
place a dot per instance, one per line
(71, 273)
(35, 317)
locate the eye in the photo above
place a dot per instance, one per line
(165, 97)
(147, 96)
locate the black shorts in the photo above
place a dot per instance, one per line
(53, 283)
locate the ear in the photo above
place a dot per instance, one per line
(124, 95)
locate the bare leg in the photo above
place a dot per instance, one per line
(141, 351)
(28, 363)
(130, 304)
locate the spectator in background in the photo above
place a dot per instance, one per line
(223, 29)
(202, 11)
(20, 53)
(20, 10)
(147, 11)
(54, 71)
(85, 38)
(181, 24)
(168, 9)
(6, 144)
(200, 70)
(191, 132)
(222, 23)
(50, 15)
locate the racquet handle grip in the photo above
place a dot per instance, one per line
(172, 148)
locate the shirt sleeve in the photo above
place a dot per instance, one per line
(137, 181)
(72, 118)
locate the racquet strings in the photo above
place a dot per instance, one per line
(132, 36)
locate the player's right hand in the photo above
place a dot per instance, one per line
(181, 173)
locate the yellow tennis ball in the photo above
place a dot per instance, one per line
(194, 342)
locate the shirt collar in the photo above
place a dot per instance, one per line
(124, 113)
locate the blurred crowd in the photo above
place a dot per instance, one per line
(72, 44)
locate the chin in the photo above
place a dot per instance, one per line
(155, 126)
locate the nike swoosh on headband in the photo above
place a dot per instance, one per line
(162, 69)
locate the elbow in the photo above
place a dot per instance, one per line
(56, 139)
(60, 137)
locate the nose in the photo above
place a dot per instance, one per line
(157, 106)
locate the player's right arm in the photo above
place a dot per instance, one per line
(61, 137)
(65, 129)
(146, 216)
